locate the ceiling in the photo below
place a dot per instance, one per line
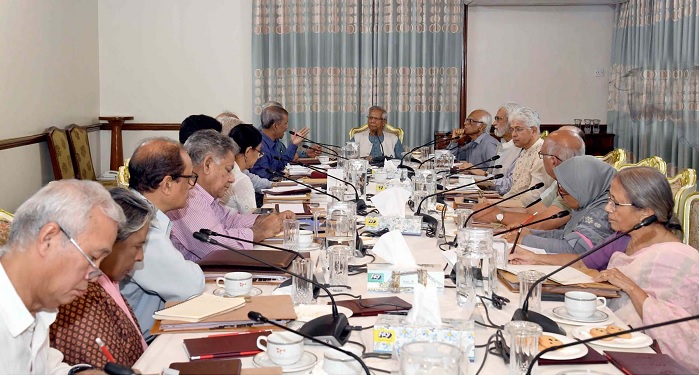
(540, 2)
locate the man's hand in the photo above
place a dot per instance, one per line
(313, 152)
(458, 132)
(487, 216)
(287, 215)
(521, 256)
(295, 139)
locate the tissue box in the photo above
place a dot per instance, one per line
(410, 225)
(385, 277)
(391, 332)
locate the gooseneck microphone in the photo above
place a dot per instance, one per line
(537, 186)
(610, 335)
(545, 322)
(323, 145)
(326, 153)
(557, 215)
(419, 207)
(496, 157)
(333, 329)
(256, 316)
(275, 173)
(421, 146)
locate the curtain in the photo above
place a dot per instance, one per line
(328, 61)
(654, 88)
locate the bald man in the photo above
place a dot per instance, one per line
(482, 145)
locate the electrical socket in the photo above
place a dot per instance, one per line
(599, 72)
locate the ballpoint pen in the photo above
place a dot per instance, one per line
(519, 232)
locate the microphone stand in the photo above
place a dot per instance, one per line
(256, 316)
(425, 145)
(419, 207)
(545, 322)
(557, 215)
(305, 147)
(323, 145)
(275, 173)
(537, 186)
(332, 328)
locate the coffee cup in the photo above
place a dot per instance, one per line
(324, 159)
(305, 238)
(337, 363)
(235, 283)
(283, 348)
(583, 304)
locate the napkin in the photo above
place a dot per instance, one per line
(393, 248)
(391, 202)
(425, 311)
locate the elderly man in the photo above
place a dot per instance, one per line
(275, 123)
(482, 145)
(375, 144)
(58, 238)
(213, 156)
(161, 171)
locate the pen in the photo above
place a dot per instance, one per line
(240, 333)
(105, 350)
(519, 232)
(224, 355)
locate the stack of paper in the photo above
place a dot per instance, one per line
(297, 170)
(199, 308)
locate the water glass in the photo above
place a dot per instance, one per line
(356, 174)
(588, 126)
(424, 358)
(418, 196)
(595, 126)
(577, 122)
(338, 191)
(301, 290)
(524, 345)
(338, 262)
(526, 280)
(476, 248)
(461, 215)
(425, 153)
(291, 234)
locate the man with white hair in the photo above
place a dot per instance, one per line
(482, 145)
(57, 240)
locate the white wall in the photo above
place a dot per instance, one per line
(541, 57)
(49, 74)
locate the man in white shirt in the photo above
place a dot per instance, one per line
(162, 172)
(374, 143)
(58, 238)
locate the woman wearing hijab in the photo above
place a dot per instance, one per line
(583, 184)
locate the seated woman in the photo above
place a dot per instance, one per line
(583, 184)
(240, 196)
(659, 280)
(102, 311)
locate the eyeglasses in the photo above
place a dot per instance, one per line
(541, 156)
(562, 192)
(518, 129)
(191, 178)
(470, 121)
(374, 118)
(259, 153)
(615, 204)
(96, 272)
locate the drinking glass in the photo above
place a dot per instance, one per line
(356, 174)
(595, 126)
(588, 126)
(338, 191)
(425, 153)
(291, 234)
(461, 215)
(476, 248)
(338, 260)
(341, 224)
(418, 196)
(577, 122)
(526, 280)
(301, 290)
(425, 358)
(524, 345)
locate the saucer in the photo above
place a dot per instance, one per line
(637, 340)
(549, 312)
(307, 361)
(571, 352)
(313, 246)
(598, 316)
(221, 292)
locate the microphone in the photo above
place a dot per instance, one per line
(545, 322)
(256, 316)
(537, 186)
(585, 341)
(361, 205)
(333, 329)
(496, 157)
(323, 145)
(426, 144)
(419, 207)
(432, 158)
(326, 153)
(275, 173)
(557, 215)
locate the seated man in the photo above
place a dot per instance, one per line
(213, 156)
(506, 148)
(161, 172)
(375, 143)
(58, 238)
(275, 123)
(482, 145)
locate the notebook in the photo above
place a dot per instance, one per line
(224, 260)
(229, 366)
(645, 363)
(375, 306)
(199, 308)
(236, 344)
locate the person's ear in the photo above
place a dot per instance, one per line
(208, 164)
(166, 185)
(47, 238)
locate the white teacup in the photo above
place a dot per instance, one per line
(324, 159)
(583, 304)
(283, 348)
(463, 180)
(305, 238)
(235, 283)
(337, 363)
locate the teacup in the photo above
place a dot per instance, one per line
(338, 363)
(235, 283)
(305, 238)
(583, 304)
(324, 159)
(463, 180)
(283, 348)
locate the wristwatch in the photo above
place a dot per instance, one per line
(499, 217)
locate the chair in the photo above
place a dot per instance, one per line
(615, 158)
(5, 221)
(82, 157)
(123, 176)
(690, 220)
(398, 132)
(654, 162)
(59, 150)
(544, 134)
(682, 184)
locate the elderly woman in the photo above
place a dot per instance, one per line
(240, 196)
(103, 312)
(659, 276)
(583, 183)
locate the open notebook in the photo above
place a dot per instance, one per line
(199, 308)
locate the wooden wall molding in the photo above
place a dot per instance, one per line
(9, 143)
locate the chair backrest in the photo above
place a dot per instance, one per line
(682, 184)
(654, 162)
(544, 134)
(5, 222)
(690, 220)
(59, 150)
(123, 176)
(80, 150)
(616, 158)
(398, 132)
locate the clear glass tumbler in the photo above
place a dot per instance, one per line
(291, 234)
(301, 290)
(426, 358)
(338, 261)
(524, 345)
(526, 280)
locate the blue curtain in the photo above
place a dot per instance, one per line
(654, 87)
(327, 62)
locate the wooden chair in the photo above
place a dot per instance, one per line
(615, 158)
(398, 132)
(654, 162)
(690, 220)
(59, 150)
(5, 222)
(682, 184)
(82, 157)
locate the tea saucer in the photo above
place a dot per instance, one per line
(221, 292)
(311, 247)
(549, 312)
(307, 361)
(598, 316)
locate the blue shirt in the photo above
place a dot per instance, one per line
(271, 148)
(478, 150)
(376, 150)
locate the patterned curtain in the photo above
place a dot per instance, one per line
(654, 87)
(328, 61)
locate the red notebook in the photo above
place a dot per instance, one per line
(237, 344)
(645, 363)
(229, 366)
(375, 306)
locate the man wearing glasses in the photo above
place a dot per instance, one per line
(161, 171)
(275, 123)
(481, 147)
(58, 238)
(375, 144)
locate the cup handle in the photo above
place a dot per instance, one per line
(259, 344)
(603, 300)
(219, 280)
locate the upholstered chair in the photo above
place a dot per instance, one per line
(59, 150)
(654, 162)
(615, 158)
